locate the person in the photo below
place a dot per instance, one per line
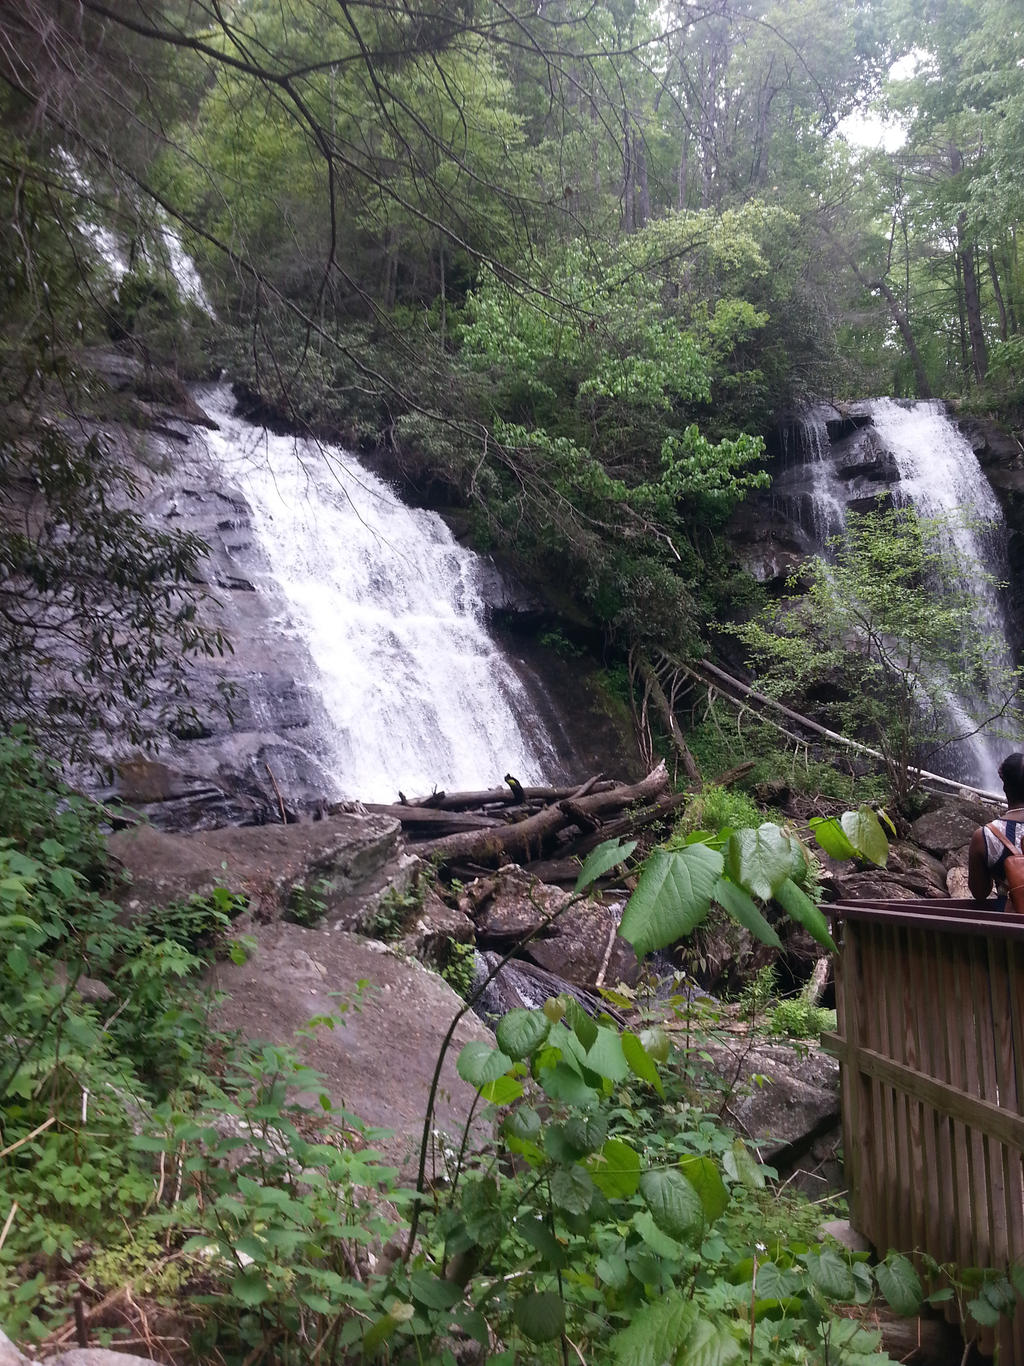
(986, 853)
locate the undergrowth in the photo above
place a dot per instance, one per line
(205, 1194)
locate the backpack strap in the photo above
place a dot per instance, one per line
(1002, 839)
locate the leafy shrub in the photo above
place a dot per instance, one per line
(799, 1019)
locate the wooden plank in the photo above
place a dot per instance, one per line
(899, 1188)
(930, 1041)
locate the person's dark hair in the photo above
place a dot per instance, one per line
(1011, 771)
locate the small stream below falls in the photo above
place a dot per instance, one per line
(389, 608)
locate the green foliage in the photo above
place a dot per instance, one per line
(394, 912)
(798, 1019)
(306, 904)
(459, 968)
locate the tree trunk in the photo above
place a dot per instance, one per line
(972, 294)
(656, 693)
(899, 317)
(1004, 330)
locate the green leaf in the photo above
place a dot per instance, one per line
(659, 1243)
(542, 1240)
(601, 860)
(672, 897)
(562, 1082)
(606, 1057)
(742, 1166)
(831, 1275)
(705, 1178)
(616, 1170)
(709, 1344)
(864, 831)
(641, 1064)
(655, 1333)
(502, 1090)
(745, 912)
(520, 1032)
(761, 860)
(674, 1203)
(831, 837)
(582, 1026)
(434, 1292)
(250, 1286)
(540, 1315)
(479, 1063)
(900, 1284)
(799, 905)
(571, 1189)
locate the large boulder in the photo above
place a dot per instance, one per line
(950, 824)
(379, 1061)
(344, 862)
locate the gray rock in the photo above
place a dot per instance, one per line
(9, 1354)
(784, 1097)
(344, 858)
(98, 1356)
(844, 1232)
(379, 1061)
(950, 825)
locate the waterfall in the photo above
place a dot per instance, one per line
(389, 607)
(940, 475)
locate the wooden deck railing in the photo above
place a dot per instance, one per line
(930, 1038)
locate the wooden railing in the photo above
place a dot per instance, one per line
(930, 1038)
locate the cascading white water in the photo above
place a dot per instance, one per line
(388, 605)
(940, 475)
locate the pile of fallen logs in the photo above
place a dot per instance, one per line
(546, 829)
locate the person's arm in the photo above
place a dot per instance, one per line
(979, 877)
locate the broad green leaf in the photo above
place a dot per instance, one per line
(709, 1344)
(641, 1064)
(502, 1090)
(674, 1203)
(613, 1270)
(705, 1178)
(775, 1284)
(562, 1082)
(540, 1315)
(520, 1032)
(659, 1243)
(586, 1132)
(606, 1057)
(672, 897)
(582, 1026)
(900, 1284)
(745, 911)
(761, 860)
(615, 1171)
(742, 1166)
(602, 860)
(799, 905)
(830, 1273)
(479, 1063)
(831, 837)
(853, 1341)
(571, 1189)
(542, 1240)
(250, 1286)
(864, 831)
(434, 1292)
(656, 1332)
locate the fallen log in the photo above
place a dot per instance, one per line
(429, 817)
(654, 690)
(523, 840)
(466, 801)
